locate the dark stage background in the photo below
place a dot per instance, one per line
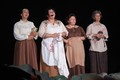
(82, 8)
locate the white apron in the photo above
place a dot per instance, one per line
(53, 52)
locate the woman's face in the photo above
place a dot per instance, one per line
(25, 13)
(72, 20)
(97, 17)
(51, 14)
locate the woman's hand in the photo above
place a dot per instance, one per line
(33, 33)
(67, 42)
(55, 35)
(63, 34)
(30, 37)
(82, 38)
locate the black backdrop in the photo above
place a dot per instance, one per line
(82, 8)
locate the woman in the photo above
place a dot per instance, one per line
(74, 46)
(25, 47)
(97, 35)
(53, 58)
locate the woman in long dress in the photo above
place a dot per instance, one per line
(52, 59)
(97, 34)
(25, 46)
(74, 46)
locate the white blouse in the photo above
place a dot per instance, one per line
(43, 27)
(23, 29)
(100, 45)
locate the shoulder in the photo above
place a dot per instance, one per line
(90, 25)
(77, 26)
(44, 22)
(17, 23)
(59, 22)
(103, 25)
(30, 22)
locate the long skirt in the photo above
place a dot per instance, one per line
(76, 71)
(75, 56)
(26, 53)
(98, 62)
(51, 70)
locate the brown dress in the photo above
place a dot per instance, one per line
(52, 70)
(26, 53)
(75, 51)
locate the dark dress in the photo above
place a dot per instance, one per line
(75, 51)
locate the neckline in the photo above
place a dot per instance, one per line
(75, 26)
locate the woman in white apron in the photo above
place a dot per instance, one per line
(52, 59)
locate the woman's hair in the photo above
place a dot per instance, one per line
(50, 8)
(24, 10)
(69, 16)
(96, 12)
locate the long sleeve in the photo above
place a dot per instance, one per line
(83, 32)
(64, 29)
(42, 31)
(33, 26)
(89, 33)
(23, 29)
(105, 32)
(17, 33)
